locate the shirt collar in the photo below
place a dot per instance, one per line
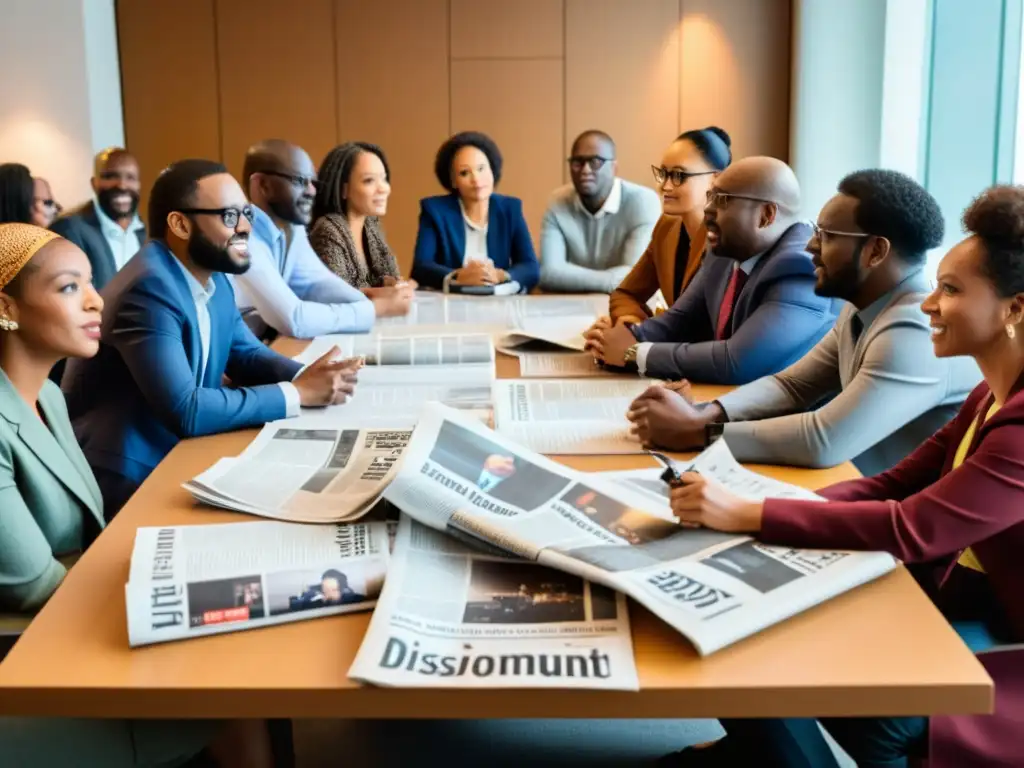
(915, 282)
(611, 204)
(264, 227)
(201, 294)
(469, 222)
(748, 265)
(111, 227)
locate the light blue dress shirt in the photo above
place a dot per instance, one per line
(124, 243)
(292, 290)
(201, 295)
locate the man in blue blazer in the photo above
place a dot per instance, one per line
(473, 237)
(171, 333)
(751, 310)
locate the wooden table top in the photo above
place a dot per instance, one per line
(882, 649)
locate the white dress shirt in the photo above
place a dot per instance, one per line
(644, 348)
(201, 295)
(476, 250)
(292, 290)
(124, 243)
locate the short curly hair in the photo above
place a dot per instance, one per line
(446, 154)
(996, 217)
(894, 206)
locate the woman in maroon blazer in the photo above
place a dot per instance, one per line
(958, 498)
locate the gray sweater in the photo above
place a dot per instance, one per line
(889, 393)
(581, 252)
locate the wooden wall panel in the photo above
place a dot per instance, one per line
(169, 88)
(407, 117)
(519, 103)
(276, 72)
(497, 29)
(622, 77)
(735, 72)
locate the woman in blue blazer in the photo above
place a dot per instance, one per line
(51, 509)
(473, 237)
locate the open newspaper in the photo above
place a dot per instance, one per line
(494, 314)
(304, 470)
(715, 588)
(403, 372)
(568, 417)
(560, 365)
(194, 580)
(454, 617)
(540, 334)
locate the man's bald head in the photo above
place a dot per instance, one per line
(751, 204)
(764, 178)
(280, 178)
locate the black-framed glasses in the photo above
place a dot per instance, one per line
(51, 204)
(823, 234)
(677, 176)
(299, 181)
(229, 216)
(719, 199)
(594, 162)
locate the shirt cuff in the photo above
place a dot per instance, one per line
(447, 279)
(292, 401)
(642, 349)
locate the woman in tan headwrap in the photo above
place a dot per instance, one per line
(50, 505)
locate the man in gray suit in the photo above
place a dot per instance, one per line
(872, 390)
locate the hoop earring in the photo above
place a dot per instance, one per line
(1011, 331)
(8, 325)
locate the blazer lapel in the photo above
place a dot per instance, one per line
(221, 317)
(188, 305)
(668, 252)
(44, 444)
(457, 232)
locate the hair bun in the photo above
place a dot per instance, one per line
(720, 133)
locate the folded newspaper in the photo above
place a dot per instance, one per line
(451, 616)
(540, 334)
(195, 580)
(304, 470)
(715, 588)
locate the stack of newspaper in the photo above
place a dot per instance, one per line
(194, 580)
(305, 470)
(715, 588)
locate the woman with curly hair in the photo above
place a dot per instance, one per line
(473, 239)
(958, 500)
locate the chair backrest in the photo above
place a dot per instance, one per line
(11, 627)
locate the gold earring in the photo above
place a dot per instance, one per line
(8, 325)
(1010, 330)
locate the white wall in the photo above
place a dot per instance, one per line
(903, 85)
(60, 97)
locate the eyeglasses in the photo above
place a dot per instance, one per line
(299, 181)
(594, 162)
(824, 234)
(677, 176)
(229, 216)
(719, 199)
(52, 204)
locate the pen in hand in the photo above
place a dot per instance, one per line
(673, 478)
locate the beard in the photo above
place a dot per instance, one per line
(294, 211)
(842, 282)
(208, 255)
(106, 198)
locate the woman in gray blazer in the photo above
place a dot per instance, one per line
(51, 509)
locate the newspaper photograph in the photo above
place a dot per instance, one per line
(562, 416)
(714, 588)
(304, 470)
(195, 580)
(453, 617)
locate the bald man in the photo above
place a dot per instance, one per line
(287, 289)
(108, 227)
(751, 310)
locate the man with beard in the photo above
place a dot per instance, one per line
(171, 333)
(596, 228)
(108, 227)
(288, 289)
(751, 310)
(872, 390)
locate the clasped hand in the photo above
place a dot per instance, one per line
(607, 342)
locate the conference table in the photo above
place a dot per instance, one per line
(881, 649)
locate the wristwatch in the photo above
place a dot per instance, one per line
(630, 356)
(712, 433)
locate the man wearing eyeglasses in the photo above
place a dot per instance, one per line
(751, 309)
(872, 390)
(288, 289)
(108, 228)
(596, 228)
(171, 333)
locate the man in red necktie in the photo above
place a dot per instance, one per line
(751, 310)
